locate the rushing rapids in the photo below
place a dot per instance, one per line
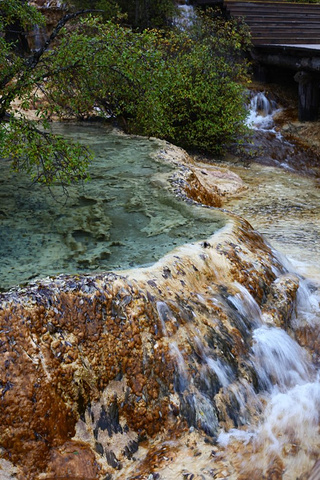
(261, 111)
(203, 365)
(102, 373)
(274, 146)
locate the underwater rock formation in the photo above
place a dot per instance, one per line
(94, 366)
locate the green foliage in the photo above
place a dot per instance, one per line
(109, 9)
(16, 10)
(139, 14)
(47, 158)
(183, 86)
(186, 87)
(148, 13)
(13, 12)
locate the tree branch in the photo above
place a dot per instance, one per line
(34, 59)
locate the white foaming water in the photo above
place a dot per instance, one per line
(246, 304)
(186, 17)
(223, 372)
(292, 416)
(261, 112)
(292, 413)
(278, 360)
(234, 434)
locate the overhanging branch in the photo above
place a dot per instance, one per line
(34, 59)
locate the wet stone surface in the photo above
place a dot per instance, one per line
(100, 364)
(123, 217)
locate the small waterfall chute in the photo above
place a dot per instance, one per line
(223, 372)
(261, 112)
(186, 15)
(37, 37)
(246, 305)
(279, 361)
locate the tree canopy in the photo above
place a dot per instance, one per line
(139, 14)
(184, 86)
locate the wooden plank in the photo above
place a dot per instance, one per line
(298, 16)
(262, 21)
(275, 5)
(279, 22)
(256, 11)
(274, 11)
(284, 29)
(283, 41)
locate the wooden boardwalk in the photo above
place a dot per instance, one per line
(279, 23)
(284, 35)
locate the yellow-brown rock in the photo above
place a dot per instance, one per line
(95, 364)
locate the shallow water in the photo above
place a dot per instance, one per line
(285, 208)
(122, 217)
(236, 373)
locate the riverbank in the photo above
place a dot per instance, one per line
(135, 374)
(303, 136)
(286, 119)
(281, 170)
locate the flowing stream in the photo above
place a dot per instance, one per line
(202, 365)
(285, 207)
(281, 203)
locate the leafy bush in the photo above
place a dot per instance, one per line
(139, 14)
(186, 87)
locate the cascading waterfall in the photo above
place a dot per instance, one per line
(197, 347)
(37, 37)
(172, 347)
(202, 365)
(186, 15)
(261, 111)
(284, 440)
(278, 360)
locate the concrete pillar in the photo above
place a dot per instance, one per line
(309, 96)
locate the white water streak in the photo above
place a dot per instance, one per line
(279, 361)
(261, 113)
(246, 305)
(223, 372)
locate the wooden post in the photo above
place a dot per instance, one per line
(309, 96)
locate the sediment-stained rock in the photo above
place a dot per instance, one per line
(203, 183)
(91, 366)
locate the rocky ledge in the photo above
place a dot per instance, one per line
(95, 368)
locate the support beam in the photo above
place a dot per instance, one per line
(309, 96)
